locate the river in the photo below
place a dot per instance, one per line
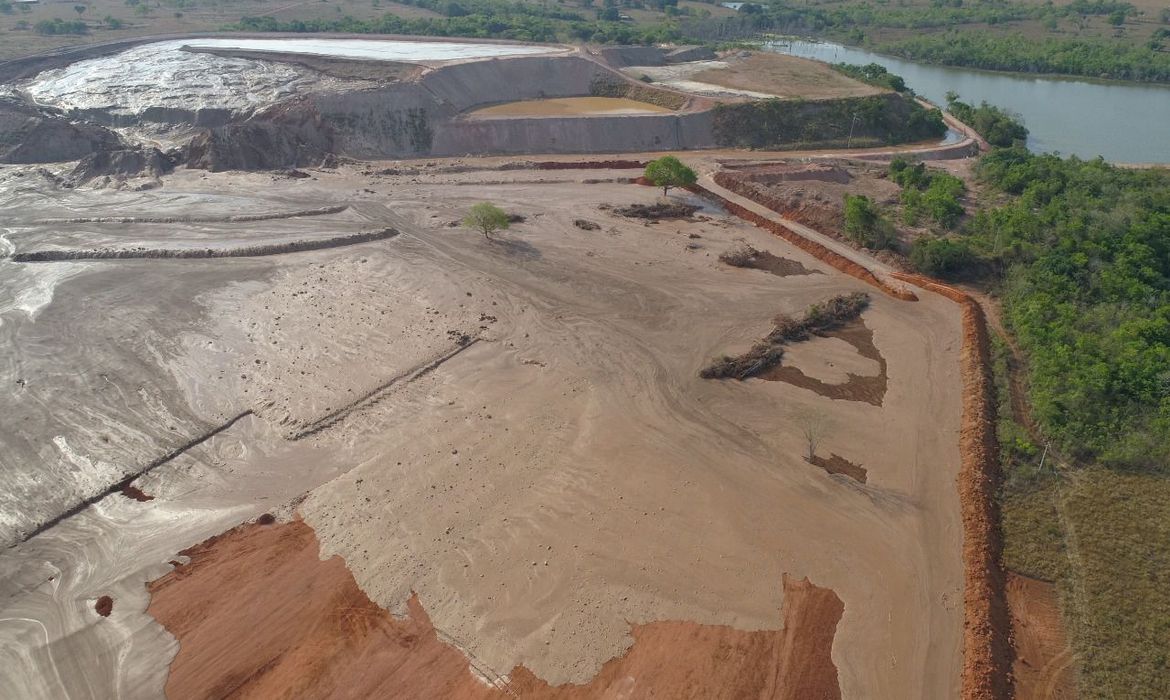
(1124, 122)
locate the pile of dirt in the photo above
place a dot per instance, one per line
(123, 163)
(585, 224)
(104, 606)
(801, 172)
(658, 211)
(747, 256)
(134, 493)
(258, 614)
(837, 464)
(288, 135)
(32, 135)
(767, 353)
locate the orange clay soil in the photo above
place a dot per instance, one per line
(987, 653)
(834, 259)
(1044, 668)
(258, 614)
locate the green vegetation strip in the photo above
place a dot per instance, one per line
(1080, 254)
(858, 121)
(1098, 58)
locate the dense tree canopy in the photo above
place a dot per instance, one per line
(1084, 255)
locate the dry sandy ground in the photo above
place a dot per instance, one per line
(325, 638)
(758, 74)
(543, 492)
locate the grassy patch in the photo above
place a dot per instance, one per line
(1103, 536)
(1121, 633)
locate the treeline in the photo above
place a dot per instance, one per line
(794, 17)
(874, 74)
(995, 125)
(487, 19)
(1088, 57)
(1083, 255)
(58, 26)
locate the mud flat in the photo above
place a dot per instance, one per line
(512, 513)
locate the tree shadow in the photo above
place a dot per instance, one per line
(516, 248)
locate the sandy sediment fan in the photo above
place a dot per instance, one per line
(987, 655)
(203, 253)
(818, 251)
(235, 218)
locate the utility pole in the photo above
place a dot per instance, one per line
(1044, 455)
(852, 124)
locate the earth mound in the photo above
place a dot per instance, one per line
(31, 135)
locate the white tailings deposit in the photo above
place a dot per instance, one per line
(163, 75)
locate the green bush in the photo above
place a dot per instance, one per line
(668, 171)
(58, 26)
(941, 257)
(872, 74)
(933, 195)
(864, 223)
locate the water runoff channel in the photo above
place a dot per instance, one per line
(1122, 122)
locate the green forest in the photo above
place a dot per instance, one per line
(979, 34)
(1018, 53)
(1082, 252)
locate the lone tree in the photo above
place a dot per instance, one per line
(814, 425)
(667, 172)
(487, 218)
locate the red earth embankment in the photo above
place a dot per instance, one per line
(987, 651)
(818, 251)
(258, 614)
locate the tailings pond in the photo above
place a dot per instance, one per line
(1124, 122)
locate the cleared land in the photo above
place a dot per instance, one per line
(786, 76)
(503, 438)
(757, 74)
